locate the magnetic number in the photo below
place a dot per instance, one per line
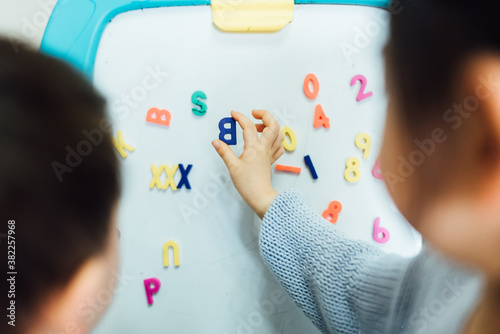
(361, 95)
(380, 234)
(376, 172)
(288, 132)
(311, 78)
(332, 213)
(364, 142)
(352, 173)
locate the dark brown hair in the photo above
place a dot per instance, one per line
(61, 202)
(430, 41)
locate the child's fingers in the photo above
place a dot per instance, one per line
(226, 154)
(248, 127)
(272, 127)
(278, 142)
(278, 154)
(266, 117)
(260, 127)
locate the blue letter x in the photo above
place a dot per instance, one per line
(184, 174)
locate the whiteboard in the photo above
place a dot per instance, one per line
(222, 282)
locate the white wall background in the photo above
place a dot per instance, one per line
(25, 19)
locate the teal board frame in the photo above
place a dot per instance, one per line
(75, 27)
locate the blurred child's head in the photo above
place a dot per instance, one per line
(441, 152)
(59, 181)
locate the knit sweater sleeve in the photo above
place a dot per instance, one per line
(336, 280)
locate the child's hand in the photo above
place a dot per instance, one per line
(251, 172)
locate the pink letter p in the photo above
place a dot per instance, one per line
(152, 285)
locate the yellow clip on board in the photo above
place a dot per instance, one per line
(252, 15)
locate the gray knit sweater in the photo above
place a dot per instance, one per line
(349, 286)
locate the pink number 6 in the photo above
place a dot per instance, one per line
(376, 172)
(361, 95)
(377, 230)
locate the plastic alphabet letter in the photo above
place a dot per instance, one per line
(203, 106)
(170, 177)
(156, 182)
(175, 249)
(293, 139)
(184, 176)
(228, 131)
(309, 164)
(320, 118)
(150, 290)
(121, 146)
(157, 116)
(377, 230)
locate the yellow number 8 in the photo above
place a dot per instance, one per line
(352, 173)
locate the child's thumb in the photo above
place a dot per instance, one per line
(225, 152)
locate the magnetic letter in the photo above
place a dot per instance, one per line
(228, 131)
(170, 177)
(121, 146)
(195, 99)
(175, 249)
(150, 290)
(157, 116)
(156, 182)
(320, 118)
(184, 176)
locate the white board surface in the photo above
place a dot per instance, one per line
(222, 280)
